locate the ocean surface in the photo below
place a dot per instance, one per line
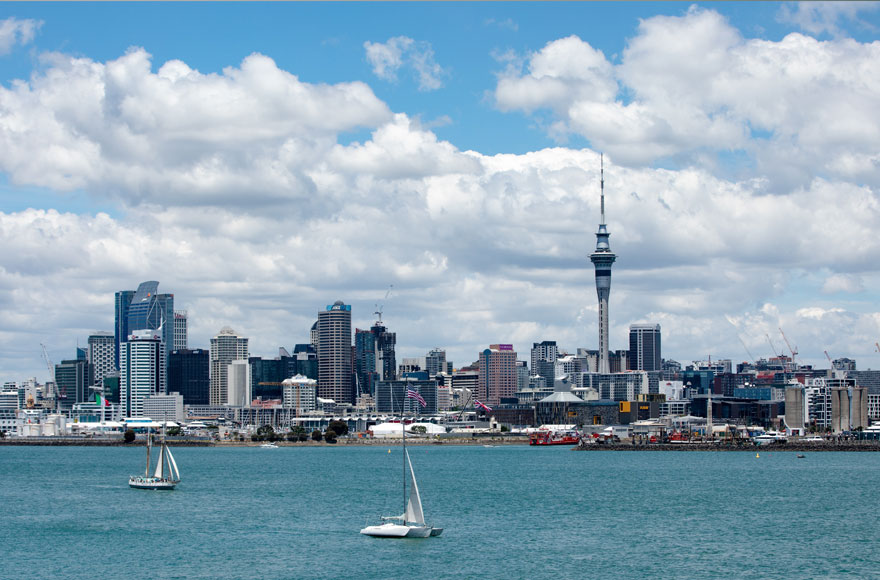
(507, 512)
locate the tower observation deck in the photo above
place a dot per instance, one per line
(603, 258)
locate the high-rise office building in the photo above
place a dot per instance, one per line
(603, 258)
(102, 356)
(375, 358)
(226, 347)
(497, 374)
(143, 371)
(435, 362)
(72, 381)
(644, 347)
(334, 353)
(544, 355)
(146, 309)
(123, 301)
(189, 374)
(238, 380)
(180, 320)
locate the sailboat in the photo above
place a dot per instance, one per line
(410, 524)
(165, 476)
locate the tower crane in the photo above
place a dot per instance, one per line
(793, 351)
(773, 348)
(59, 393)
(381, 304)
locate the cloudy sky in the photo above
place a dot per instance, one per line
(264, 160)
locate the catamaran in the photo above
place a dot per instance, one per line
(165, 476)
(410, 524)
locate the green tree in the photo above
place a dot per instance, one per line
(174, 431)
(267, 432)
(330, 436)
(419, 429)
(128, 436)
(317, 435)
(505, 428)
(338, 427)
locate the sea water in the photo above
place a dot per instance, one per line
(507, 512)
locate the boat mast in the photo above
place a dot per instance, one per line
(403, 425)
(147, 470)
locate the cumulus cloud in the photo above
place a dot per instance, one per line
(692, 84)
(400, 51)
(235, 191)
(842, 283)
(17, 32)
(177, 135)
(823, 17)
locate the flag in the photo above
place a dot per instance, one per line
(411, 394)
(482, 405)
(102, 401)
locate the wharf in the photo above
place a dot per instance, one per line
(867, 445)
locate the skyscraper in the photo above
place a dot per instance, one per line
(644, 347)
(334, 353)
(544, 355)
(497, 377)
(145, 309)
(602, 259)
(189, 375)
(142, 372)
(226, 347)
(102, 356)
(180, 318)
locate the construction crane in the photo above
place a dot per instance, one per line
(792, 366)
(773, 348)
(751, 357)
(877, 346)
(829, 359)
(59, 393)
(793, 351)
(381, 305)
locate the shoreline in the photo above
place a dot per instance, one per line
(773, 447)
(340, 442)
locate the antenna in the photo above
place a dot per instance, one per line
(602, 185)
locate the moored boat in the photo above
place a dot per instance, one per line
(554, 438)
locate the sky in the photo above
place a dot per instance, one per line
(440, 162)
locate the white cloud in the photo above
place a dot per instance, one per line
(234, 191)
(822, 17)
(691, 85)
(843, 283)
(17, 32)
(400, 51)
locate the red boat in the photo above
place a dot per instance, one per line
(554, 438)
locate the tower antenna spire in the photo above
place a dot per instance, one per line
(602, 185)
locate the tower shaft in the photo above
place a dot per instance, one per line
(602, 259)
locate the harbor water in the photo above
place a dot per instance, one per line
(507, 512)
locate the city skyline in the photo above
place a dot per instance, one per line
(263, 171)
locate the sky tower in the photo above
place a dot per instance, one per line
(602, 259)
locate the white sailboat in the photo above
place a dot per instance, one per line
(410, 524)
(165, 476)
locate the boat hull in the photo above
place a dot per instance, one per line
(401, 531)
(151, 483)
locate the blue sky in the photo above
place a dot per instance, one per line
(739, 137)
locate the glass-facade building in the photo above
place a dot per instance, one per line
(188, 375)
